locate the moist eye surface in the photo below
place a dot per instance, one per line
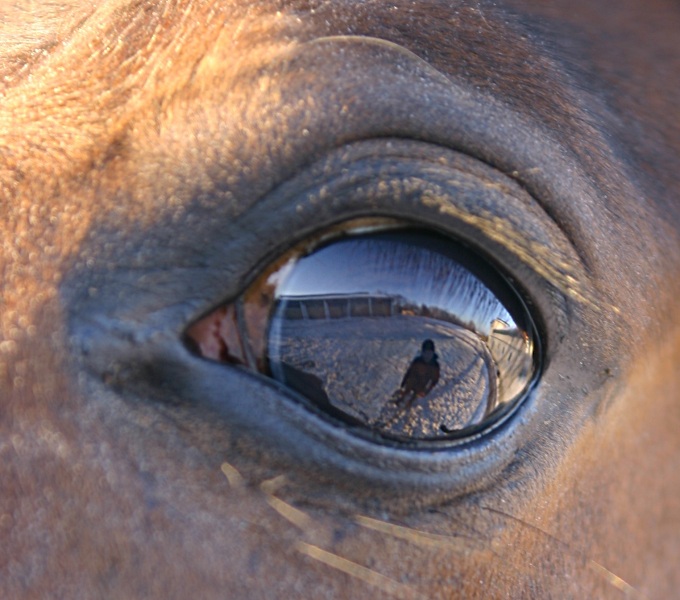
(403, 334)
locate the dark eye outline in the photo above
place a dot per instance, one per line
(247, 334)
(135, 349)
(429, 187)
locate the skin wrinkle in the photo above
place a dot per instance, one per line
(523, 177)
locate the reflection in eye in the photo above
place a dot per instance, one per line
(401, 334)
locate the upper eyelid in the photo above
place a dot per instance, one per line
(446, 187)
(460, 116)
(550, 261)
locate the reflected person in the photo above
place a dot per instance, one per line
(421, 376)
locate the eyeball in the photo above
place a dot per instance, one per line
(402, 335)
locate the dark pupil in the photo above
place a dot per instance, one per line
(405, 334)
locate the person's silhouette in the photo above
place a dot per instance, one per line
(422, 375)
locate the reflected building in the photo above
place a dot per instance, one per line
(360, 304)
(512, 352)
(338, 306)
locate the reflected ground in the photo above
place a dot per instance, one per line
(362, 361)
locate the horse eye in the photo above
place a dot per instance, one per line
(401, 335)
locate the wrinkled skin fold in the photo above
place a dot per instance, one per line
(155, 157)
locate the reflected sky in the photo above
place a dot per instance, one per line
(405, 265)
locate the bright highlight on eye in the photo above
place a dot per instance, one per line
(402, 335)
